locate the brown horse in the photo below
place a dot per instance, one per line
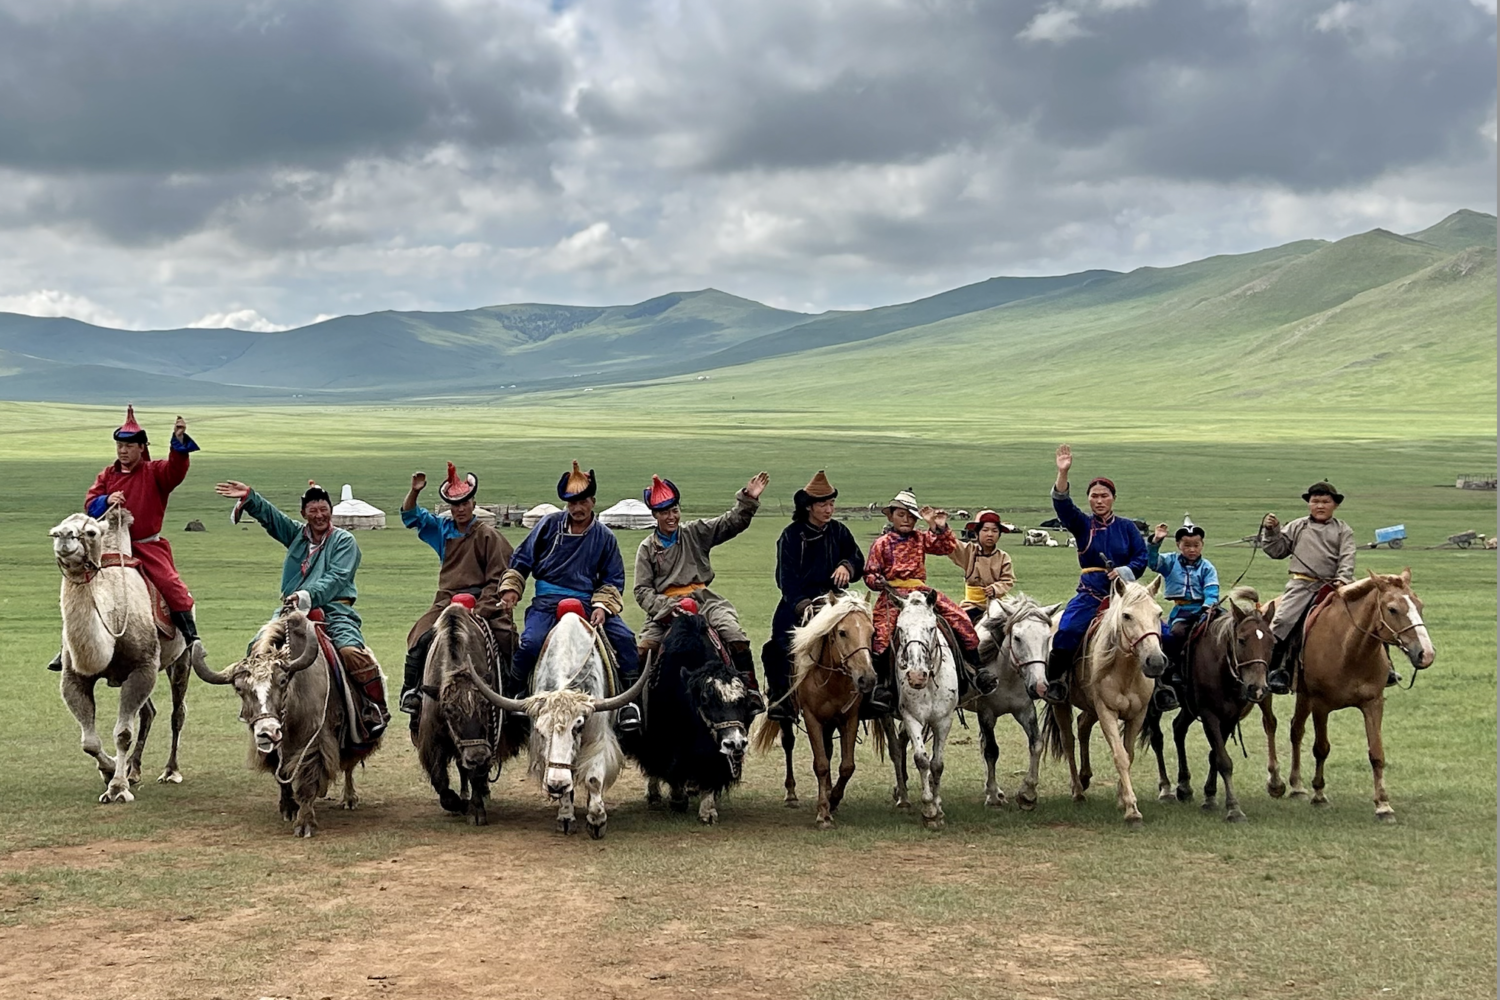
(832, 673)
(1345, 664)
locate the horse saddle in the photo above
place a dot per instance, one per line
(1324, 598)
(946, 628)
(160, 613)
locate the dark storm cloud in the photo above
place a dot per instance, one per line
(1300, 94)
(194, 86)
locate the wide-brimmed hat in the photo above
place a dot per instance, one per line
(130, 431)
(906, 500)
(818, 488)
(456, 490)
(985, 517)
(662, 494)
(1323, 488)
(576, 485)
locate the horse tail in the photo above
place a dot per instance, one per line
(1150, 729)
(877, 738)
(767, 735)
(1052, 737)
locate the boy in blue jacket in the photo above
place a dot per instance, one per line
(1191, 583)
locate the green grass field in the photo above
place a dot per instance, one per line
(198, 890)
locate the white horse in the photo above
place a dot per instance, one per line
(927, 684)
(109, 631)
(572, 722)
(1015, 638)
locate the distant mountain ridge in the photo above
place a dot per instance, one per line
(498, 351)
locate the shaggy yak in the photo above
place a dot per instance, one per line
(295, 716)
(697, 719)
(457, 724)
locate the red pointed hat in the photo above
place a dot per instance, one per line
(130, 430)
(662, 494)
(456, 490)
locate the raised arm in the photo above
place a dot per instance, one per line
(735, 520)
(277, 524)
(1274, 542)
(171, 473)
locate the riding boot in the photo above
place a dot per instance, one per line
(186, 625)
(773, 660)
(983, 678)
(882, 699)
(744, 664)
(1164, 697)
(1059, 666)
(1391, 677)
(1279, 678)
(56, 665)
(411, 675)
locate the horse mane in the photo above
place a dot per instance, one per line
(807, 640)
(1359, 588)
(1105, 646)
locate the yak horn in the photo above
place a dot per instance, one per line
(627, 696)
(491, 695)
(200, 667)
(303, 655)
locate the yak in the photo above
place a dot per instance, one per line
(288, 700)
(457, 724)
(696, 719)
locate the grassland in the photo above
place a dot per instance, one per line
(198, 890)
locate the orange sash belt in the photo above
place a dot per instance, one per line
(683, 589)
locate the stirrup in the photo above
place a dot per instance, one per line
(56, 665)
(1057, 693)
(782, 711)
(1279, 681)
(411, 701)
(1392, 678)
(985, 681)
(1164, 698)
(628, 718)
(881, 699)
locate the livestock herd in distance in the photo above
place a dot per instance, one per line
(698, 712)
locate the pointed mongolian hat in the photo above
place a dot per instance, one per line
(314, 493)
(576, 485)
(662, 494)
(1188, 529)
(456, 490)
(130, 430)
(906, 500)
(818, 488)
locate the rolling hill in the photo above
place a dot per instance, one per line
(1409, 319)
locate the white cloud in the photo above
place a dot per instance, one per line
(237, 319)
(52, 303)
(1053, 24)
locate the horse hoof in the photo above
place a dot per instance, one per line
(1276, 789)
(1184, 795)
(1079, 797)
(935, 823)
(1320, 800)
(1210, 804)
(1299, 793)
(825, 823)
(1026, 802)
(596, 832)
(903, 804)
(113, 795)
(1083, 781)
(170, 777)
(1387, 815)
(791, 802)
(1166, 795)
(479, 819)
(996, 801)
(452, 803)
(1134, 822)
(1234, 816)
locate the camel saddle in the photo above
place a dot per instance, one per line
(159, 610)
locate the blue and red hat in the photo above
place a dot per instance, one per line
(662, 494)
(456, 490)
(130, 431)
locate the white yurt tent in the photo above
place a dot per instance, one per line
(535, 514)
(356, 514)
(628, 513)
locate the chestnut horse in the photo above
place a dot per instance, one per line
(831, 674)
(1344, 665)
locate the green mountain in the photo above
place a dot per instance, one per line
(1301, 329)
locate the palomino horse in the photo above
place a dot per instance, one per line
(1113, 685)
(1225, 677)
(831, 673)
(109, 631)
(1015, 636)
(1344, 665)
(927, 696)
(572, 722)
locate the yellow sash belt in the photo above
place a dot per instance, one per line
(683, 589)
(904, 583)
(975, 595)
(1305, 577)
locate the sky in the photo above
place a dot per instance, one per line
(265, 163)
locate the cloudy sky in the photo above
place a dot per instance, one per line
(261, 163)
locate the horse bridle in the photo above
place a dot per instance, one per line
(1030, 613)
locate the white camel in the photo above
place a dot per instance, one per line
(109, 631)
